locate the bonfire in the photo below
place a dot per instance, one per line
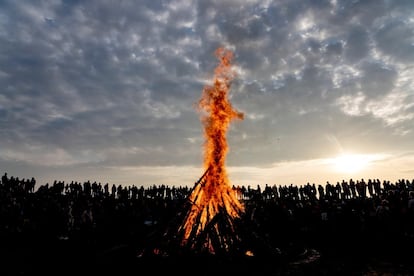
(209, 223)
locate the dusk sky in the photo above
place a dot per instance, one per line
(106, 90)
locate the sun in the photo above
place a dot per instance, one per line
(351, 163)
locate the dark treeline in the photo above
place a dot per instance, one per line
(86, 222)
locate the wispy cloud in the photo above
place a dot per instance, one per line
(104, 83)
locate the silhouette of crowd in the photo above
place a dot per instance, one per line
(94, 219)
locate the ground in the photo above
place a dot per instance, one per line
(63, 258)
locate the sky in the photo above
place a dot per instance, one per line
(106, 90)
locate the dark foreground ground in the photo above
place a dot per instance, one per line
(66, 258)
(78, 230)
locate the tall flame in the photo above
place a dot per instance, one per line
(215, 195)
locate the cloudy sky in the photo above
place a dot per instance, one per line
(105, 90)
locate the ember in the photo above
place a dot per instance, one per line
(209, 224)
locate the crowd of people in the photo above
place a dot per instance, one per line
(348, 216)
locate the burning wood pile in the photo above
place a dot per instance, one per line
(209, 223)
(208, 226)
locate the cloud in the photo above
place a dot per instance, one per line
(394, 38)
(114, 84)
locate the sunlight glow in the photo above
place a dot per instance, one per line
(352, 163)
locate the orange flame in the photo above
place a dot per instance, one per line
(215, 194)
